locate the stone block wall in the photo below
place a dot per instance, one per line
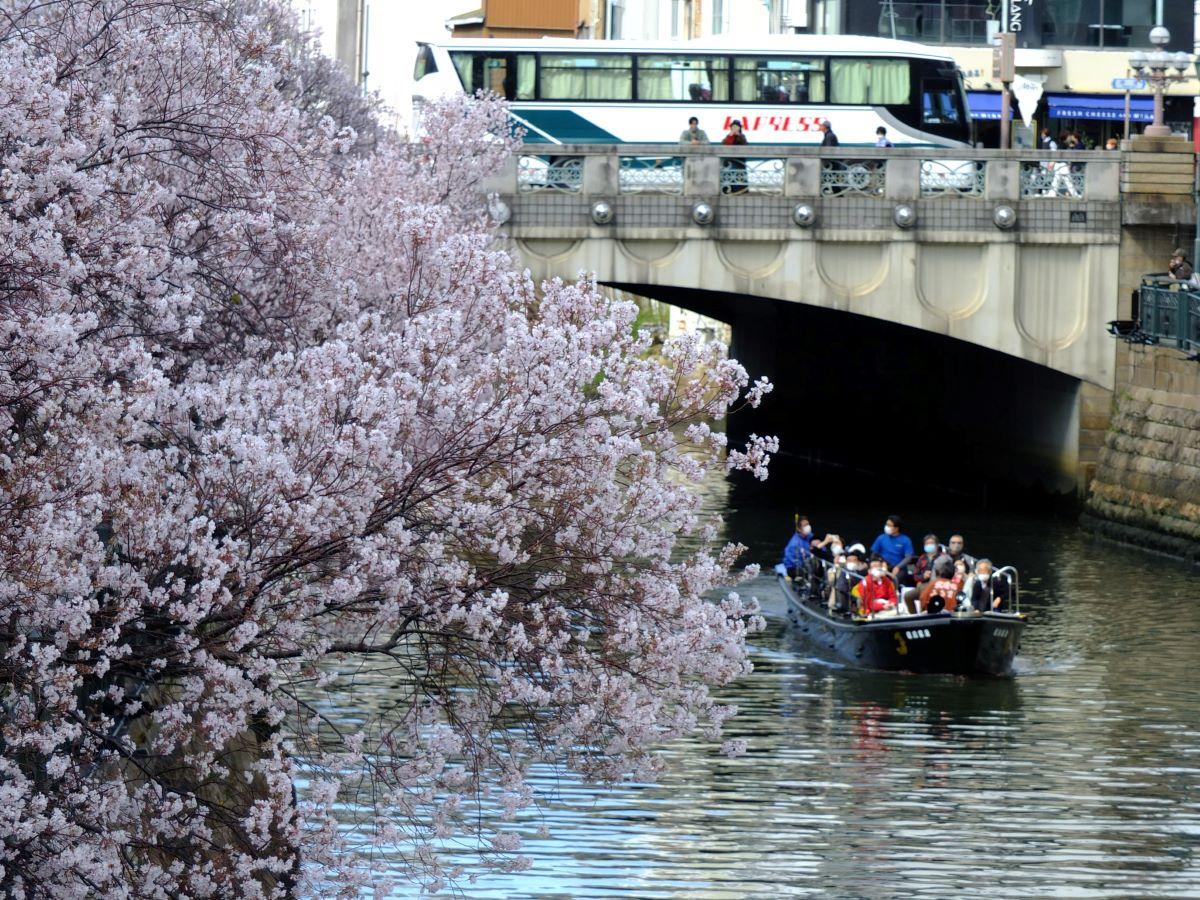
(1146, 489)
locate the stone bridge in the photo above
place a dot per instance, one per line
(1018, 252)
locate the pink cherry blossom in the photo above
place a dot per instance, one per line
(275, 403)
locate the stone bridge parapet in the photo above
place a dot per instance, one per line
(1016, 251)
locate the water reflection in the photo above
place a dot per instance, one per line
(1078, 777)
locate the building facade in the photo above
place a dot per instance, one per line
(532, 19)
(1078, 50)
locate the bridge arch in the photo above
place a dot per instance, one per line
(893, 402)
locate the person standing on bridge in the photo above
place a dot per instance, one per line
(881, 138)
(693, 134)
(1179, 268)
(736, 135)
(830, 139)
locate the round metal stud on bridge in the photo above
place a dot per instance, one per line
(703, 214)
(1004, 217)
(602, 212)
(804, 215)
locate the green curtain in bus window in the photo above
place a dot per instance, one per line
(465, 63)
(602, 77)
(526, 76)
(695, 79)
(779, 80)
(889, 82)
(877, 81)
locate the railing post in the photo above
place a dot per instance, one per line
(1003, 180)
(903, 179)
(802, 177)
(504, 182)
(601, 175)
(702, 175)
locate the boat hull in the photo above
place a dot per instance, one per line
(956, 644)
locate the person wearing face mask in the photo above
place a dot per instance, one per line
(828, 548)
(799, 548)
(877, 593)
(892, 545)
(922, 571)
(923, 568)
(985, 591)
(846, 580)
(955, 549)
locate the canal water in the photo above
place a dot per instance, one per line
(1077, 777)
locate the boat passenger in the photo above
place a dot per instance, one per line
(828, 548)
(942, 592)
(923, 566)
(798, 548)
(846, 580)
(960, 571)
(956, 551)
(877, 592)
(893, 546)
(985, 590)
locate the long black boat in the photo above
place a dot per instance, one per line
(958, 643)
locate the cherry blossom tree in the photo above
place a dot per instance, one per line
(274, 405)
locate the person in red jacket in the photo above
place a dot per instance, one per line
(877, 591)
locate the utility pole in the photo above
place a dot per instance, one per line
(1004, 50)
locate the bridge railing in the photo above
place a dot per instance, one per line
(1169, 311)
(612, 170)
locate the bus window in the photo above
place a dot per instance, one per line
(939, 103)
(465, 64)
(881, 82)
(599, 77)
(685, 79)
(778, 80)
(425, 64)
(526, 76)
(495, 75)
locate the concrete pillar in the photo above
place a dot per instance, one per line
(803, 177)
(702, 176)
(904, 179)
(601, 175)
(349, 38)
(505, 180)
(1003, 180)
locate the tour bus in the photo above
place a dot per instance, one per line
(781, 88)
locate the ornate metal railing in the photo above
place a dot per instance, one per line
(853, 177)
(651, 174)
(754, 176)
(1053, 178)
(953, 177)
(1170, 311)
(550, 173)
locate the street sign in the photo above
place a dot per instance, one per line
(1128, 84)
(1003, 51)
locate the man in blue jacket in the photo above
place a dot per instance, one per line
(893, 546)
(799, 548)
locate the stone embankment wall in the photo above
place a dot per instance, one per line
(1147, 486)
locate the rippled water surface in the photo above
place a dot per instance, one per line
(1078, 777)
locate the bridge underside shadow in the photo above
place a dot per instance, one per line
(887, 404)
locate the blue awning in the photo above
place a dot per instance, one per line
(1102, 107)
(986, 105)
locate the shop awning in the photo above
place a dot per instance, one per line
(1100, 107)
(986, 105)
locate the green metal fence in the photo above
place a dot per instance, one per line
(1170, 311)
